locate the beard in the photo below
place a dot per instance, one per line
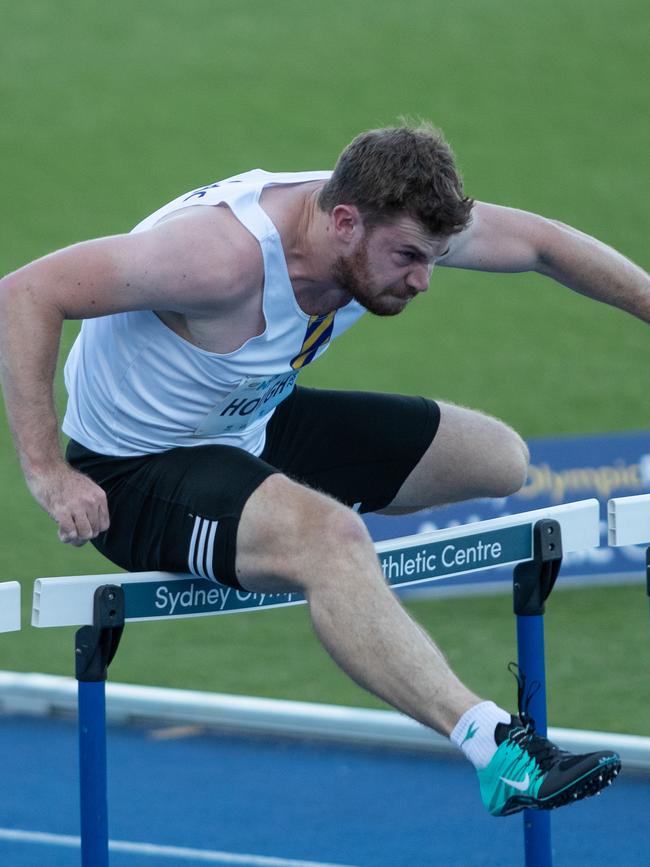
(352, 273)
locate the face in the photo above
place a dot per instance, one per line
(391, 264)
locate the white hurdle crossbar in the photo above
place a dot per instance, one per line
(9, 606)
(628, 520)
(628, 523)
(68, 601)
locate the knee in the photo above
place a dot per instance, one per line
(511, 460)
(340, 530)
(479, 454)
(289, 532)
(331, 534)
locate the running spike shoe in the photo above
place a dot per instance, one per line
(529, 772)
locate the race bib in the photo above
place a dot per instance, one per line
(253, 398)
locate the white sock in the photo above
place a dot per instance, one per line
(474, 732)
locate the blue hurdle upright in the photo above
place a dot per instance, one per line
(532, 585)
(95, 647)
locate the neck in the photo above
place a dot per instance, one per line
(310, 259)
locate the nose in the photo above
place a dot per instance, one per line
(419, 277)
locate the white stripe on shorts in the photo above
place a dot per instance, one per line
(210, 551)
(202, 548)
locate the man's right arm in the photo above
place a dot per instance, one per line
(29, 346)
(177, 266)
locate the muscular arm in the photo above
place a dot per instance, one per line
(508, 240)
(192, 265)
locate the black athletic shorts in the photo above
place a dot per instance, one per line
(178, 510)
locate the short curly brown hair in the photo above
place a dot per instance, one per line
(400, 170)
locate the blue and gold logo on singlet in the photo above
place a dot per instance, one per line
(319, 331)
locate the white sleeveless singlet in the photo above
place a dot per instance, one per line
(136, 387)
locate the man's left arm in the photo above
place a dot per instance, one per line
(508, 240)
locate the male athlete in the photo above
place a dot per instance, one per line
(193, 448)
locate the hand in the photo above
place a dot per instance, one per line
(76, 503)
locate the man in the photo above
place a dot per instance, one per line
(192, 447)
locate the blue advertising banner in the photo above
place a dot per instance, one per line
(563, 469)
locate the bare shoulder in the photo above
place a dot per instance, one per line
(198, 264)
(207, 223)
(218, 253)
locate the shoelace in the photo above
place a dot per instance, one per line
(524, 698)
(538, 747)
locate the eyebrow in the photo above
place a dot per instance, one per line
(421, 254)
(417, 251)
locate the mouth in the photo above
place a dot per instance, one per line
(407, 295)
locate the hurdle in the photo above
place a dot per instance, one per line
(532, 543)
(9, 606)
(628, 523)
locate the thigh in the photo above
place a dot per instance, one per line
(176, 511)
(473, 455)
(358, 447)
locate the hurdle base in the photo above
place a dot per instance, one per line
(96, 645)
(534, 580)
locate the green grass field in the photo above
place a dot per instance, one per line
(596, 643)
(111, 110)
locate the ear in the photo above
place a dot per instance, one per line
(347, 223)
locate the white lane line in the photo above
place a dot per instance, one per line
(181, 852)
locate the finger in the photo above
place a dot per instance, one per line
(72, 540)
(98, 518)
(103, 519)
(83, 527)
(67, 530)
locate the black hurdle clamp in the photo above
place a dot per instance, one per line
(534, 579)
(96, 645)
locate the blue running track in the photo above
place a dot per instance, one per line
(287, 800)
